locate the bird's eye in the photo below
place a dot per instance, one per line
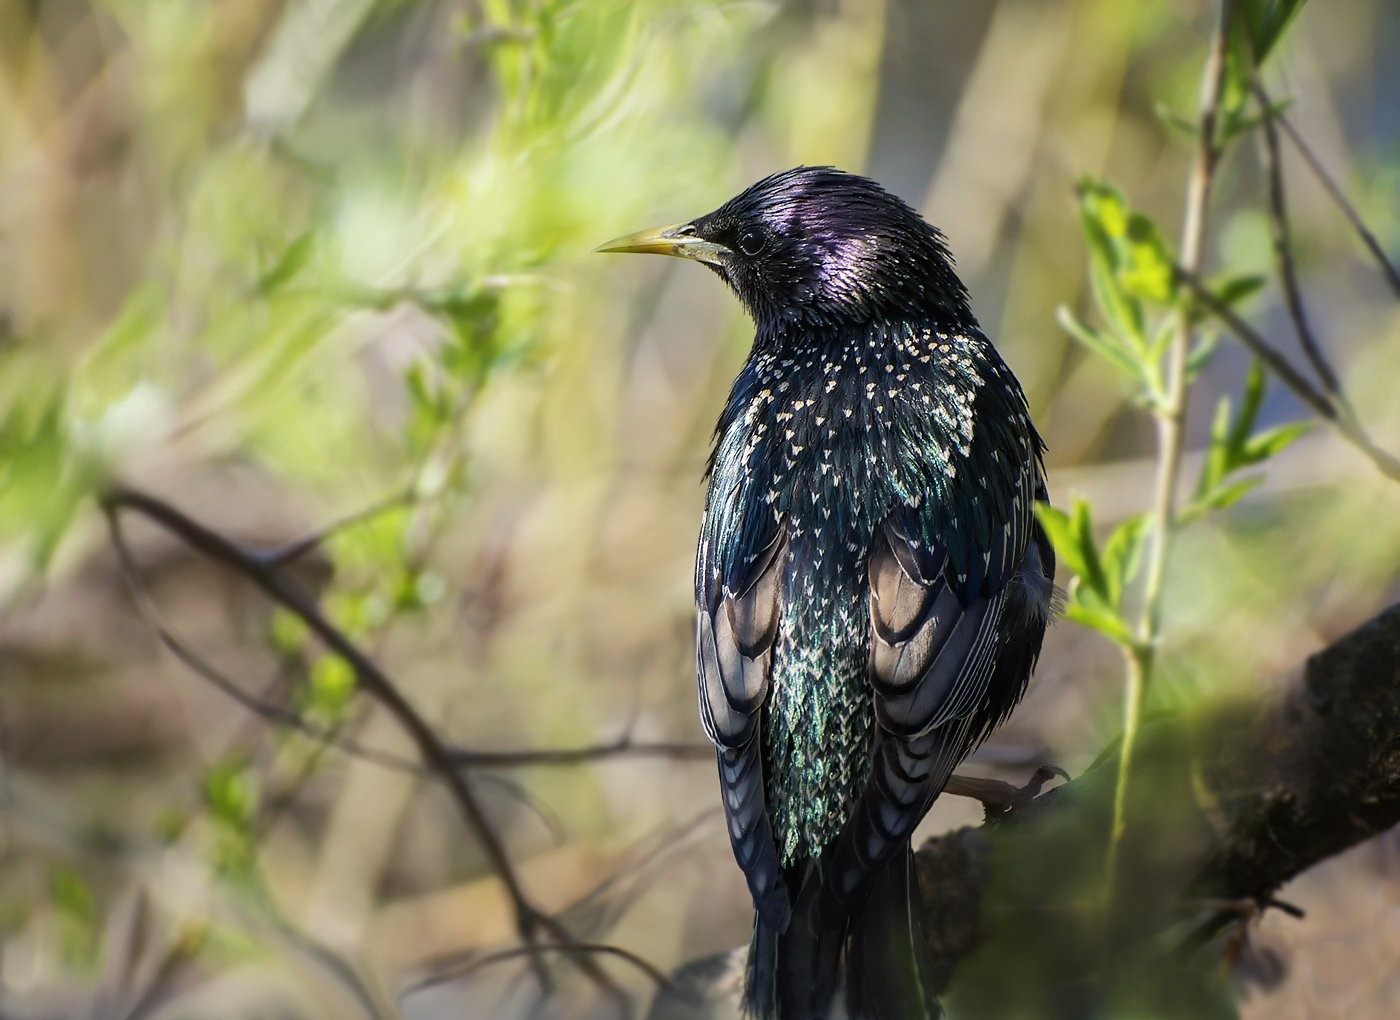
(751, 242)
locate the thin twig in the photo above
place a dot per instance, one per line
(624, 746)
(1171, 434)
(1283, 248)
(1271, 356)
(1346, 425)
(454, 973)
(270, 712)
(436, 755)
(1338, 196)
(282, 555)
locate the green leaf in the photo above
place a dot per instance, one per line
(1185, 127)
(292, 262)
(332, 686)
(1106, 622)
(1229, 495)
(287, 631)
(1236, 288)
(1104, 218)
(1148, 268)
(1122, 554)
(1200, 355)
(1082, 528)
(1217, 459)
(75, 910)
(1121, 359)
(1264, 23)
(1264, 445)
(231, 793)
(1254, 387)
(1161, 340)
(1057, 527)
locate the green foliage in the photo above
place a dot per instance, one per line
(332, 685)
(1101, 575)
(1131, 277)
(287, 631)
(231, 794)
(1235, 445)
(1137, 297)
(76, 913)
(1261, 24)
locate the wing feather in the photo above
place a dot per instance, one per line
(736, 626)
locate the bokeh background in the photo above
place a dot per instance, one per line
(285, 262)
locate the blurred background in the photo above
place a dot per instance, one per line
(287, 264)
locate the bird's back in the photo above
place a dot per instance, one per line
(827, 433)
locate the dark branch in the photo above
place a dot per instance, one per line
(1338, 196)
(282, 555)
(1283, 247)
(1230, 804)
(437, 756)
(1346, 425)
(625, 746)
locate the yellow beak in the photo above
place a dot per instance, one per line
(678, 239)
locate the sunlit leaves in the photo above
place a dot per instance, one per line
(231, 794)
(287, 631)
(1131, 277)
(1101, 574)
(1234, 446)
(44, 479)
(292, 261)
(1263, 23)
(330, 688)
(1255, 30)
(75, 911)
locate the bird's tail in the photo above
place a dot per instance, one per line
(793, 973)
(877, 956)
(887, 968)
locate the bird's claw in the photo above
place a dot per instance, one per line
(999, 798)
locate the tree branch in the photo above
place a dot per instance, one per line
(1387, 267)
(1232, 803)
(437, 756)
(1283, 247)
(1346, 425)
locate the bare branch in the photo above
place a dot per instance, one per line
(625, 746)
(295, 550)
(478, 963)
(1346, 425)
(1273, 359)
(1387, 267)
(435, 754)
(1283, 247)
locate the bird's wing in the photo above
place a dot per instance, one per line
(951, 646)
(736, 625)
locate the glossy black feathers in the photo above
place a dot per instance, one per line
(871, 584)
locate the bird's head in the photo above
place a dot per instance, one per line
(815, 244)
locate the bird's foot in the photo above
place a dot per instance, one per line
(999, 798)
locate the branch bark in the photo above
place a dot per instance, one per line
(1233, 802)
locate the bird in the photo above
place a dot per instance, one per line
(872, 585)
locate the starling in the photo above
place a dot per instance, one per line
(871, 586)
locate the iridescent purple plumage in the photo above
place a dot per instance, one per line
(871, 584)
